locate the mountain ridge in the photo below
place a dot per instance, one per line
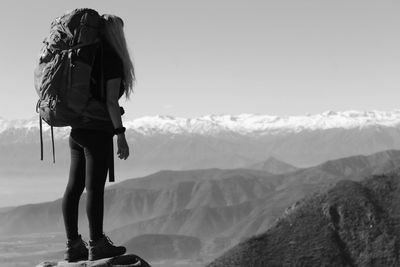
(351, 224)
(240, 124)
(273, 165)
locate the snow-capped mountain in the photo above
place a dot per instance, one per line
(224, 141)
(241, 124)
(221, 141)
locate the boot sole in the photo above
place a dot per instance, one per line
(91, 258)
(76, 259)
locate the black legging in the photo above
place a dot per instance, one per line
(90, 152)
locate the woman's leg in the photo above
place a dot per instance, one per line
(97, 153)
(97, 150)
(74, 189)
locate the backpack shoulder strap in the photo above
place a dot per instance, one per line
(103, 86)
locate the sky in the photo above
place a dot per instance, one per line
(194, 58)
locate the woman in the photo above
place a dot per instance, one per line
(90, 149)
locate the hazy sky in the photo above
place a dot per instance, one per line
(195, 58)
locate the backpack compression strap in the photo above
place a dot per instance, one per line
(111, 173)
(41, 137)
(103, 95)
(82, 45)
(41, 140)
(52, 144)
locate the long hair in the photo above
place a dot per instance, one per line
(114, 33)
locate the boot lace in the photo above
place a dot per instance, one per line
(108, 239)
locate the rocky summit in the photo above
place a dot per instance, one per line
(350, 224)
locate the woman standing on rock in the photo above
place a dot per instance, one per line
(90, 150)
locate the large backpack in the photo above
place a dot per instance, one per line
(63, 73)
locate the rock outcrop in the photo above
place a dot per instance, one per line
(129, 260)
(351, 224)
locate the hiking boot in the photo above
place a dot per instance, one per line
(76, 250)
(104, 248)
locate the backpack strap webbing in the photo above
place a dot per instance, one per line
(41, 140)
(103, 86)
(82, 45)
(111, 173)
(52, 144)
(41, 137)
(103, 96)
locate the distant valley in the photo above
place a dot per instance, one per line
(218, 207)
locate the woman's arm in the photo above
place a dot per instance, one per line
(112, 92)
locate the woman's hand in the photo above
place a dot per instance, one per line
(115, 111)
(123, 148)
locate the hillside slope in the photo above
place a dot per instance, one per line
(351, 224)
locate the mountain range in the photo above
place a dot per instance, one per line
(218, 207)
(255, 124)
(212, 141)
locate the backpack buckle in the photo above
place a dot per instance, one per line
(38, 105)
(52, 103)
